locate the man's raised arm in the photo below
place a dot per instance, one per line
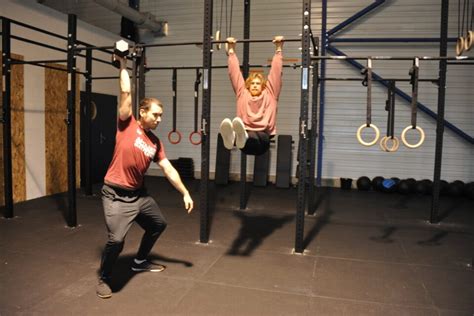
(125, 107)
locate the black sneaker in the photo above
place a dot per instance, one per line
(103, 289)
(147, 266)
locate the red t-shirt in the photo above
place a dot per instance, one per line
(134, 151)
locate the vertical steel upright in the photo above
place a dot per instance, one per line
(314, 129)
(6, 118)
(322, 94)
(71, 216)
(303, 126)
(245, 73)
(87, 125)
(135, 84)
(141, 75)
(443, 50)
(206, 120)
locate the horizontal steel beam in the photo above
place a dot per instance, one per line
(344, 57)
(187, 43)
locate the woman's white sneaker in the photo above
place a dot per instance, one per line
(241, 135)
(227, 133)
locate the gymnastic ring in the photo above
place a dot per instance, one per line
(171, 133)
(459, 46)
(191, 138)
(395, 143)
(422, 137)
(218, 38)
(468, 41)
(382, 144)
(377, 134)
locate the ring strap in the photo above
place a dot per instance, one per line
(197, 82)
(175, 96)
(414, 72)
(369, 92)
(390, 107)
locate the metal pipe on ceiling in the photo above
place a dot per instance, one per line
(141, 19)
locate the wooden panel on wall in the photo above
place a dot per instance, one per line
(18, 135)
(56, 82)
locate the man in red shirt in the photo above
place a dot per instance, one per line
(257, 100)
(124, 197)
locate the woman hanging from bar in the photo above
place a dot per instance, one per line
(257, 99)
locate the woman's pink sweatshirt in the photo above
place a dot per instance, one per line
(257, 113)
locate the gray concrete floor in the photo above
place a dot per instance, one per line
(367, 253)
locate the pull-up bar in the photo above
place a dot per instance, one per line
(187, 43)
(42, 63)
(22, 62)
(294, 66)
(378, 80)
(26, 40)
(34, 28)
(393, 58)
(257, 40)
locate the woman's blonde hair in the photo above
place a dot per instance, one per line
(254, 75)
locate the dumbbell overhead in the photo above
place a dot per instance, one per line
(121, 50)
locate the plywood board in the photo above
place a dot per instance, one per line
(56, 84)
(18, 134)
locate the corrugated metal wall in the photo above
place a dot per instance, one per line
(345, 102)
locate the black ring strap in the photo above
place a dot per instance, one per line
(414, 73)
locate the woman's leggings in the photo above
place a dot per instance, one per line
(257, 143)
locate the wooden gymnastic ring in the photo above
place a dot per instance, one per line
(218, 38)
(422, 137)
(468, 41)
(459, 46)
(395, 144)
(199, 141)
(171, 133)
(382, 145)
(373, 142)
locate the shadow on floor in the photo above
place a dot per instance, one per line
(385, 237)
(122, 273)
(253, 230)
(321, 203)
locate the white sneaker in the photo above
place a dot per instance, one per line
(240, 132)
(227, 133)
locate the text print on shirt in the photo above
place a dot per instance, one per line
(148, 150)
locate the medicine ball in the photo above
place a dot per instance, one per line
(429, 186)
(397, 181)
(389, 185)
(377, 183)
(443, 187)
(403, 187)
(456, 188)
(411, 184)
(469, 190)
(421, 187)
(363, 184)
